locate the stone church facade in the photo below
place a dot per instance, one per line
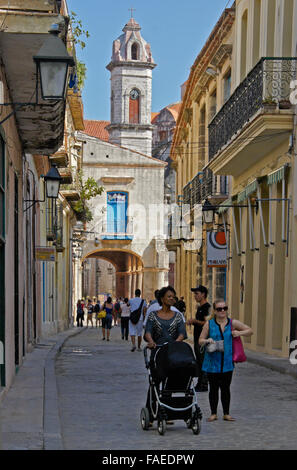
(128, 228)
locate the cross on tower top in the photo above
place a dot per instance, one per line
(132, 9)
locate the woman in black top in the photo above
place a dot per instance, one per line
(165, 326)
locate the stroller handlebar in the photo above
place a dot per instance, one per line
(145, 349)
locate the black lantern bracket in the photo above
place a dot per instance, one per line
(52, 176)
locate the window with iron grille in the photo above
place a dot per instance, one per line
(50, 219)
(59, 226)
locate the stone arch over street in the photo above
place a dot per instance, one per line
(128, 265)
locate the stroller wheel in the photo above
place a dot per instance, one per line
(144, 419)
(161, 427)
(196, 424)
(188, 423)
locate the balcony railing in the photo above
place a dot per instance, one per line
(268, 82)
(205, 185)
(117, 229)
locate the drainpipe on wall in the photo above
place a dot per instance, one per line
(1, 362)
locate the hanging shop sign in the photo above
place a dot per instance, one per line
(45, 253)
(216, 250)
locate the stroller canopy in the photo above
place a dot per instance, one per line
(173, 357)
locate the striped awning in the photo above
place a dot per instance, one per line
(277, 175)
(249, 189)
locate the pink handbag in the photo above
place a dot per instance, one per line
(238, 354)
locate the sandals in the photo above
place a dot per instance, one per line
(228, 418)
(212, 418)
(225, 418)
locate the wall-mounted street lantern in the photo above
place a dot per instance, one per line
(52, 181)
(208, 212)
(52, 65)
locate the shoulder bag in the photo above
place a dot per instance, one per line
(101, 314)
(135, 315)
(238, 354)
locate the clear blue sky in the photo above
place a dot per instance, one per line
(175, 29)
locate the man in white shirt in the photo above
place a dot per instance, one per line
(137, 330)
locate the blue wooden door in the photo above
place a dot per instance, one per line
(117, 203)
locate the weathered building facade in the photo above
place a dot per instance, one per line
(258, 150)
(242, 150)
(35, 268)
(128, 217)
(206, 89)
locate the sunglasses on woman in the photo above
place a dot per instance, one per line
(221, 309)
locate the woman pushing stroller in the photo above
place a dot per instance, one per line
(163, 326)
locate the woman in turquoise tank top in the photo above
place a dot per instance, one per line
(219, 365)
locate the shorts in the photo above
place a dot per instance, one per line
(106, 322)
(136, 330)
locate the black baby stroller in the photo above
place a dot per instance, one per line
(171, 394)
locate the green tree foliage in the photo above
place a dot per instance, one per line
(88, 189)
(78, 36)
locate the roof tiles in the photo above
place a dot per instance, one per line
(97, 129)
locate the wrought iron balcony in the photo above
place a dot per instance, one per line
(268, 83)
(205, 185)
(117, 229)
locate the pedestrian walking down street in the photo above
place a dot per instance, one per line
(163, 326)
(137, 329)
(97, 309)
(154, 306)
(79, 313)
(125, 315)
(219, 364)
(107, 321)
(180, 305)
(116, 312)
(90, 309)
(203, 311)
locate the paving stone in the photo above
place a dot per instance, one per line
(102, 387)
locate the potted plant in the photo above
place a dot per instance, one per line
(284, 104)
(269, 103)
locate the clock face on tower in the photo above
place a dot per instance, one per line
(134, 94)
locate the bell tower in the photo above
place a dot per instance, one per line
(131, 90)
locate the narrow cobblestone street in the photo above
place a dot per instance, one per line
(102, 387)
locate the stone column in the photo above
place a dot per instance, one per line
(129, 285)
(139, 280)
